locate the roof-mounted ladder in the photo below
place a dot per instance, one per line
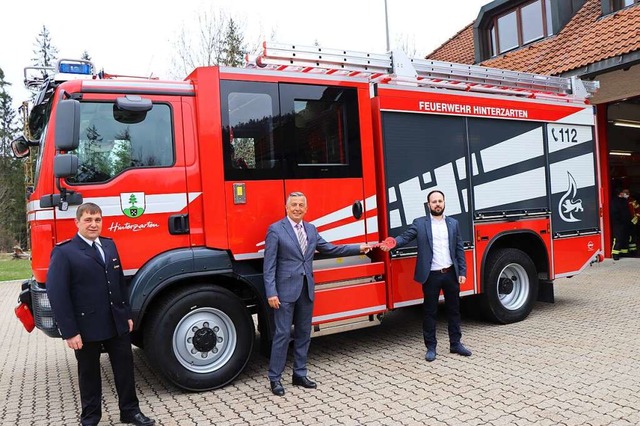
(396, 67)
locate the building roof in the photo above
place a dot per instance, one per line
(586, 39)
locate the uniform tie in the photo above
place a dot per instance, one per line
(99, 251)
(302, 239)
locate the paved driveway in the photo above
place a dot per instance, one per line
(575, 362)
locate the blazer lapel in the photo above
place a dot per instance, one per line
(452, 241)
(427, 225)
(294, 238)
(88, 250)
(306, 231)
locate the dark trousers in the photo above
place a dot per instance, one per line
(90, 381)
(448, 283)
(620, 244)
(298, 313)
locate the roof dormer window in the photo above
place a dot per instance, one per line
(519, 26)
(621, 4)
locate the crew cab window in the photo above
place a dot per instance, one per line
(112, 141)
(249, 119)
(321, 131)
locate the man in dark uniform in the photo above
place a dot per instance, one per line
(86, 288)
(620, 223)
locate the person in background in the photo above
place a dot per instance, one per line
(634, 209)
(440, 266)
(86, 288)
(288, 279)
(620, 223)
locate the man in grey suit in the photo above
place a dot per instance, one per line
(288, 279)
(440, 266)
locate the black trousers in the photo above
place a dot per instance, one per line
(90, 381)
(448, 283)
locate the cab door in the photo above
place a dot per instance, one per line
(322, 143)
(132, 165)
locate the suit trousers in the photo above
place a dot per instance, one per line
(298, 313)
(448, 283)
(90, 381)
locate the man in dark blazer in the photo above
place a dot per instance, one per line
(440, 265)
(288, 279)
(86, 288)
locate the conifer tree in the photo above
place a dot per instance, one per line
(13, 229)
(46, 54)
(234, 46)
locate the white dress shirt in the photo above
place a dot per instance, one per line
(441, 254)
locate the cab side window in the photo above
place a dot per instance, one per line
(249, 119)
(112, 141)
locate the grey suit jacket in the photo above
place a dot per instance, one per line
(285, 266)
(420, 229)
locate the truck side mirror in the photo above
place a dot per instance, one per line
(20, 147)
(65, 165)
(67, 133)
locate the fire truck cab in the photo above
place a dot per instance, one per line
(189, 175)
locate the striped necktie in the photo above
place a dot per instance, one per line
(302, 239)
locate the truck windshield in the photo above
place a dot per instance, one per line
(112, 141)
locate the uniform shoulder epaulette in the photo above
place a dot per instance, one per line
(63, 242)
(106, 238)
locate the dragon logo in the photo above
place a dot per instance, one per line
(568, 204)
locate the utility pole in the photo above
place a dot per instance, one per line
(386, 23)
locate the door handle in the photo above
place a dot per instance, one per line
(357, 209)
(179, 224)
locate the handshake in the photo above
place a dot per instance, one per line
(386, 245)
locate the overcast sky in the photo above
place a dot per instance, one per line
(137, 37)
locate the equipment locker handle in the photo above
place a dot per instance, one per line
(357, 209)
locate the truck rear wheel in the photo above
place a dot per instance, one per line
(510, 286)
(200, 338)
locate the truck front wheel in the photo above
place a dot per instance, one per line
(200, 337)
(510, 286)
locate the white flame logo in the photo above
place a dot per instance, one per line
(569, 204)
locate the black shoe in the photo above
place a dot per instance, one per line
(138, 419)
(304, 382)
(276, 387)
(430, 355)
(460, 349)
(616, 257)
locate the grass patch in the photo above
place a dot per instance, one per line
(14, 269)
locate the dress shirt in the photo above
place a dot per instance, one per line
(441, 255)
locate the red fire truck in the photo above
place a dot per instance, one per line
(189, 175)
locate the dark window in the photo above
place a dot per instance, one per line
(249, 115)
(321, 130)
(525, 24)
(112, 141)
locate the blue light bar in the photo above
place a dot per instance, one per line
(74, 68)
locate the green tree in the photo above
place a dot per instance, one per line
(13, 227)
(46, 54)
(234, 48)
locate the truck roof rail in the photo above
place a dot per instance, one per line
(396, 67)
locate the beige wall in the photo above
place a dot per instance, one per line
(618, 85)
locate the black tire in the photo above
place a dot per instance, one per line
(510, 286)
(200, 337)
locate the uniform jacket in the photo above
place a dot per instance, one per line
(88, 297)
(420, 229)
(285, 266)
